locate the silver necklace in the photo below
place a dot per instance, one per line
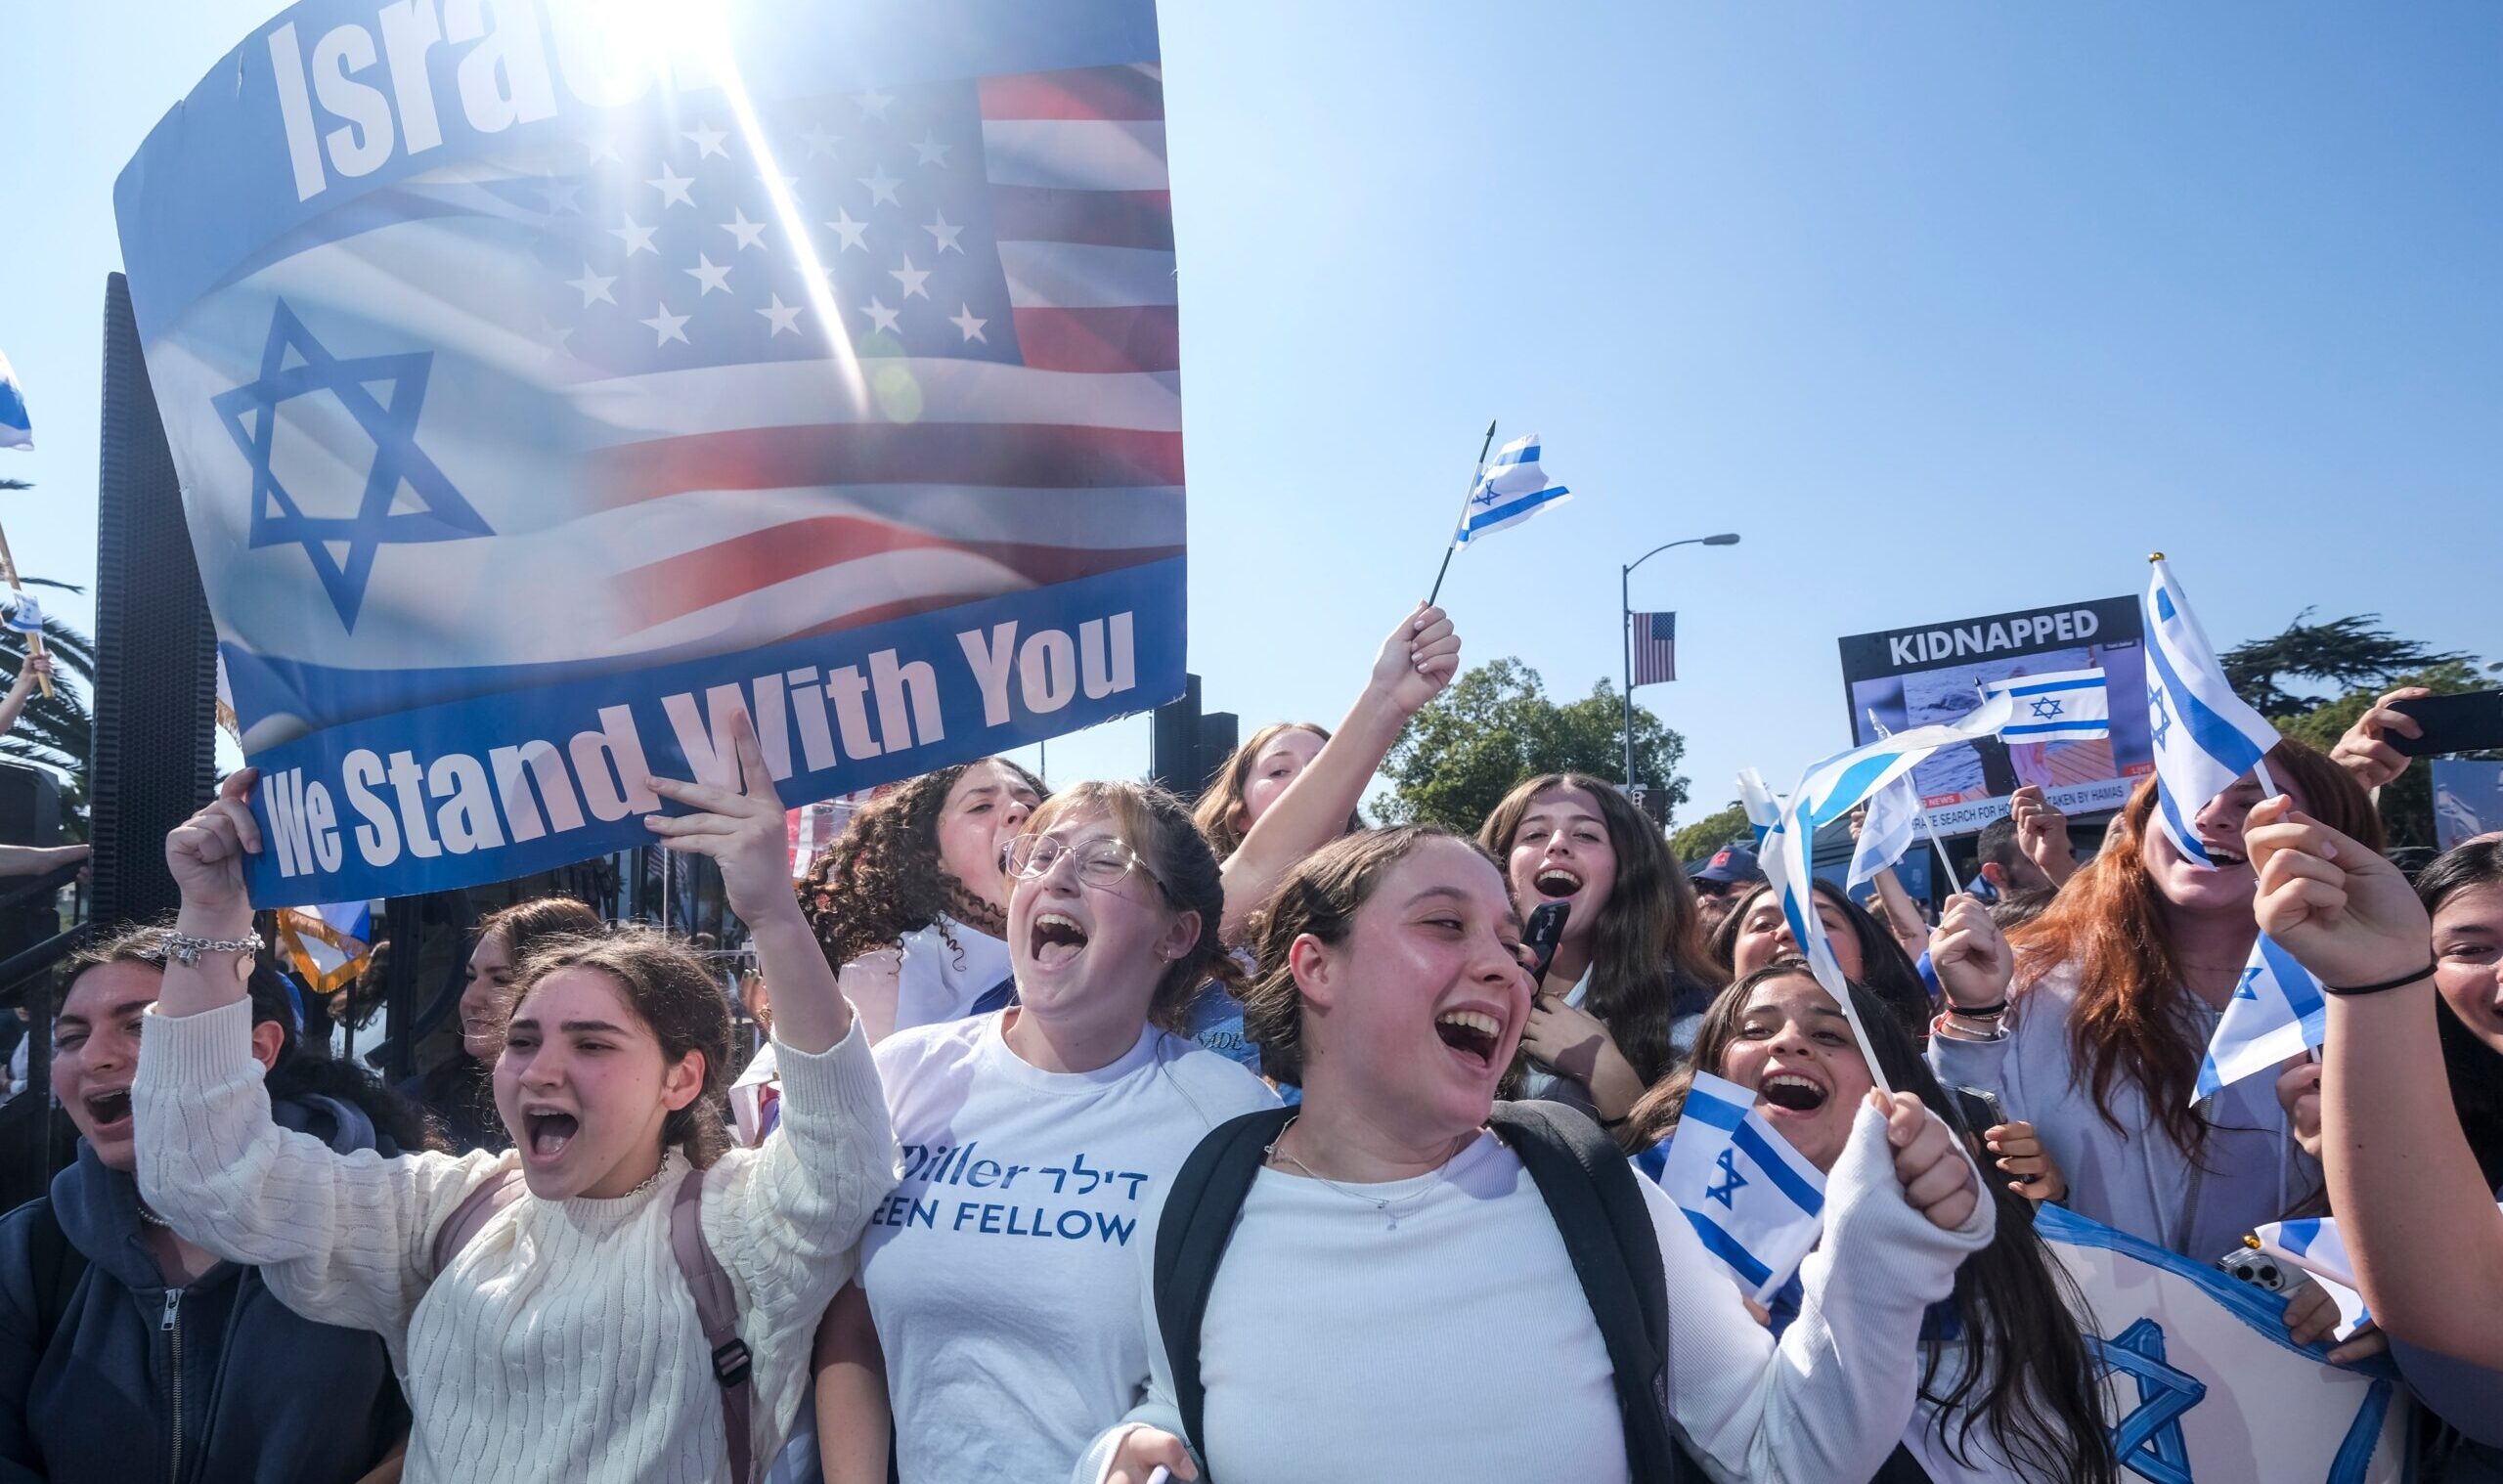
(153, 1219)
(650, 1180)
(1388, 1209)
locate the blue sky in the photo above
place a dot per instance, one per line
(1947, 309)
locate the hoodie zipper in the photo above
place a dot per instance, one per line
(172, 1325)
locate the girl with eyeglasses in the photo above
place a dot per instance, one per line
(995, 1327)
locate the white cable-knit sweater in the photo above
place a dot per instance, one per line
(561, 1343)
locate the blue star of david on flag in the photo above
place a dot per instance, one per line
(342, 548)
(2148, 1441)
(2047, 708)
(1726, 1188)
(2242, 988)
(2158, 718)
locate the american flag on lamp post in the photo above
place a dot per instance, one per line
(1653, 647)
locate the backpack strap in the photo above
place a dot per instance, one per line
(1191, 1237)
(58, 1267)
(1588, 1187)
(500, 1190)
(716, 1311)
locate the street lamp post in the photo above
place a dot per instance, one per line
(1625, 619)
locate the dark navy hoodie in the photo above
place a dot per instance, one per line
(216, 1383)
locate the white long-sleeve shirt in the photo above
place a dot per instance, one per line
(561, 1342)
(1458, 1346)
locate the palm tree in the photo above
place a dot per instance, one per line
(56, 733)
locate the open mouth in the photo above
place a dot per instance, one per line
(1056, 939)
(1473, 1033)
(109, 1107)
(2222, 858)
(1791, 1094)
(548, 1132)
(1555, 882)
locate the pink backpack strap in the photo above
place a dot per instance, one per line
(716, 1311)
(500, 1190)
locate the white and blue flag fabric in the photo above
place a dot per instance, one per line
(1828, 791)
(1764, 809)
(545, 399)
(2205, 735)
(1886, 833)
(2276, 1011)
(2063, 706)
(25, 615)
(1757, 1203)
(1509, 491)
(17, 430)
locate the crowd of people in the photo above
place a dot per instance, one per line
(1103, 1137)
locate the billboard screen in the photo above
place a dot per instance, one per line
(1931, 673)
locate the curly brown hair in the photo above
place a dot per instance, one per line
(882, 878)
(1157, 826)
(670, 990)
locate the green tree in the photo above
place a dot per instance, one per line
(1495, 727)
(2353, 654)
(1710, 833)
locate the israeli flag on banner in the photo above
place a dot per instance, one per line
(1764, 811)
(2276, 1011)
(1828, 791)
(2204, 736)
(1755, 1201)
(1887, 833)
(2066, 706)
(16, 430)
(1509, 491)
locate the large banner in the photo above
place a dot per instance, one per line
(2203, 1384)
(1932, 673)
(549, 379)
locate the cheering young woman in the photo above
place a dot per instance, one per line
(561, 1341)
(1632, 956)
(1000, 1276)
(909, 903)
(2116, 989)
(462, 1090)
(1387, 1236)
(2007, 1389)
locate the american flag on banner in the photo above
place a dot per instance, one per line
(1654, 640)
(606, 403)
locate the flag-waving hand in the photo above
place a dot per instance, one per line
(205, 854)
(2341, 910)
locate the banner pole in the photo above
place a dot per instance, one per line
(34, 641)
(1453, 545)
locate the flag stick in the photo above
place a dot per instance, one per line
(34, 641)
(1475, 471)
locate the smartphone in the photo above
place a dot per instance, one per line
(2461, 723)
(2256, 1268)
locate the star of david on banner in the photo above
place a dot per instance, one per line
(2148, 1441)
(342, 548)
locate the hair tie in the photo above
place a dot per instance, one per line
(2399, 983)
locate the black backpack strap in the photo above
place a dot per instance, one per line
(58, 1267)
(1191, 1236)
(1589, 1185)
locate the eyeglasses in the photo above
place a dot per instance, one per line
(1104, 861)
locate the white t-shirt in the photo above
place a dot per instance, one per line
(938, 980)
(1003, 1271)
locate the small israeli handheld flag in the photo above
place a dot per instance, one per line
(2312, 1244)
(2276, 1011)
(1886, 833)
(1764, 811)
(1509, 491)
(2205, 735)
(1826, 792)
(25, 615)
(1756, 1202)
(2065, 705)
(16, 430)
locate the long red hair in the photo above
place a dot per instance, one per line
(2133, 1018)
